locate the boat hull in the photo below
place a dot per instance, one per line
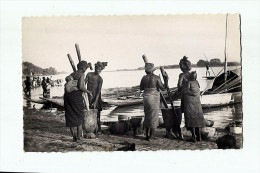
(207, 101)
(56, 101)
(36, 100)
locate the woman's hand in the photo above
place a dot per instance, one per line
(89, 93)
(92, 106)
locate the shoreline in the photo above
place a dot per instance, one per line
(45, 131)
(168, 68)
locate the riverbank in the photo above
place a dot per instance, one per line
(45, 131)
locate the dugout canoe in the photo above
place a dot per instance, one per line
(207, 101)
(39, 101)
(55, 100)
(124, 102)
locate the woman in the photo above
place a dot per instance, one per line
(94, 84)
(185, 66)
(193, 113)
(74, 104)
(44, 86)
(151, 84)
(27, 88)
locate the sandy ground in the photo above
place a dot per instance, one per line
(45, 131)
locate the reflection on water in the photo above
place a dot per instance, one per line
(222, 116)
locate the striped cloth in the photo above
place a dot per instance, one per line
(74, 108)
(151, 99)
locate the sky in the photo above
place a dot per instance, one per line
(122, 40)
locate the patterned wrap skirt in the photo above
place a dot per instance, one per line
(192, 109)
(151, 100)
(74, 108)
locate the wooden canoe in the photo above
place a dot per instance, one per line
(122, 103)
(207, 101)
(39, 101)
(57, 101)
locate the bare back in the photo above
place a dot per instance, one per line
(151, 81)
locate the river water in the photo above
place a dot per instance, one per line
(221, 116)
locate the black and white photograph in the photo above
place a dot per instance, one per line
(132, 83)
(129, 86)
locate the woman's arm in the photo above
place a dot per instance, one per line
(188, 91)
(86, 79)
(81, 84)
(180, 82)
(100, 83)
(160, 84)
(142, 84)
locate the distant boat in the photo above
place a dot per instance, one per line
(226, 84)
(209, 77)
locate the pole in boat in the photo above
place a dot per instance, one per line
(225, 67)
(209, 65)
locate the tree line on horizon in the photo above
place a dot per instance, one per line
(202, 63)
(31, 69)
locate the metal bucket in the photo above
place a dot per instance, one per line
(90, 121)
(170, 119)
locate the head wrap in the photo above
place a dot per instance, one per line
(185, 64)
(82, 65)
(149, 67)
(101, 65)
(90, 66)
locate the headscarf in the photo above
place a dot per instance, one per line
(185, 64)
(82, 65)
(101, 65)
(149, 67)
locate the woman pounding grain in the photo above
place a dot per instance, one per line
(94, 84)
(74, 104)
(151, 84)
